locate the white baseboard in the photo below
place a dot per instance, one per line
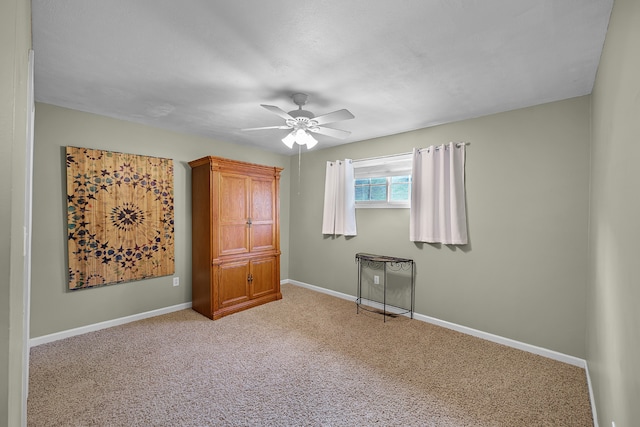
(388, 308)
(319, 289)
(106, 324)
(591, 396)
(551, 354)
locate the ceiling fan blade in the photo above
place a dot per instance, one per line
(277, 110)
(269, 127)
(334, 133)
(336, 116)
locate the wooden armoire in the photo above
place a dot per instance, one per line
(235, 235)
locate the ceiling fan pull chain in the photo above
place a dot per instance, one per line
(299, 156)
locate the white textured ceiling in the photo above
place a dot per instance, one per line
(203, 66)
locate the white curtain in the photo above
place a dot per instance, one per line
(438, 212)
(339, 216)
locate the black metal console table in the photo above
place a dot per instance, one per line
(384, 262)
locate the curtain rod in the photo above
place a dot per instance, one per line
(458, 144)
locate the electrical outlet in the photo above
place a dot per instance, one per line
(176, 281)
(376, 280)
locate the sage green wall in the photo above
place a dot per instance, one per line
(523, 275)
(15, 42)
(53, 307)
(613, 320)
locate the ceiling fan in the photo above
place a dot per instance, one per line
(302, 123)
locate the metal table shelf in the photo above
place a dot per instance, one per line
(384, 263)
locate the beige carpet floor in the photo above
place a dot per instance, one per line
(306, 360)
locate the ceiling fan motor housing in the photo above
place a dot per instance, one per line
(301, 113)
(300, 99)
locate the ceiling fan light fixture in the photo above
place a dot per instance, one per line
(300, 137)
(289, 139)
(303, 138)
(310, 141)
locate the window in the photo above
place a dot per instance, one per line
(383, 182)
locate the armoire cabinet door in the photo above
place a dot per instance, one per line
(263, 277)
(263, 213)
(233, 284)
(234, 214)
